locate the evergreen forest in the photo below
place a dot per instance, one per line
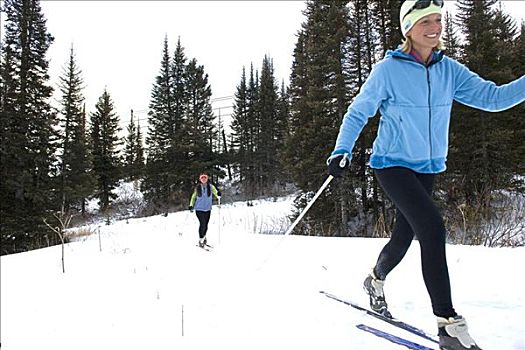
(56, 156)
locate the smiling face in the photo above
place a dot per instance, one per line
(425, 34)
(203, 178)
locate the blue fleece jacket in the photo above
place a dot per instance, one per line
(415, 101)
(203, 202)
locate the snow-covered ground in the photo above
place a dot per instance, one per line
(151, 287)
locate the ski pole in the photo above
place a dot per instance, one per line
(290, 229)
(185, 223)
(326, 182)
(219, 199)
(342, 164)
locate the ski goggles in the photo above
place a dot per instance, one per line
(423, 4)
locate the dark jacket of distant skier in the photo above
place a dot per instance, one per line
(415, 115)
(201, 199)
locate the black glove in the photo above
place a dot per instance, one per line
(219, 194)
(191, 208)
(337, 164)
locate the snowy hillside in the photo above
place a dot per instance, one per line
(151, 287)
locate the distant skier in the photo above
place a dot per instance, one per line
(413, 88)
(201, 200)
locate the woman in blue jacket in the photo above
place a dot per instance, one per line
(201, 200)
(413, 88)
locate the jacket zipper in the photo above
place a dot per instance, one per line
(429, 114)
(427, 68)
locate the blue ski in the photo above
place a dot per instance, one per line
(400, 324)
(393, 338)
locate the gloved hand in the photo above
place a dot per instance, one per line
(219, 194)
(337, 164)
(191, 208)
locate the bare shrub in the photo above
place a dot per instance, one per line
(501, 225)
(80, 233)
(63, 220)
(505, 227)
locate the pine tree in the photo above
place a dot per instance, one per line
(283, 114)
(282, 128)
(139, 152)
(267, 147)
(27, 127)
(76, 180)
(259, 128)
(81, 175)
(160, 108)
(518, 64)
(104, 128)
(177, 150)
(130, 151)
(450, 37)
(506, 32)
(475, 18)
(468, 160)
(239, 125)
(201, 130)
(180, 93)
(386, 13)
(317, 92)
(361, 52)
(510, 124)
(482, 143)
(160, 119)
(252, 135)
(300, 113)
(175, 159)
(183, 137)
(518, 69)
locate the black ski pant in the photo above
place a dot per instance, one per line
(416, 214)
(204, 218)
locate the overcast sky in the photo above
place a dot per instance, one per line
(118, 44)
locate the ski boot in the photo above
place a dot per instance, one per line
(202, 242)
(453, 334)
(373, 286)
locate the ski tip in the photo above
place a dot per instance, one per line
(393, 338)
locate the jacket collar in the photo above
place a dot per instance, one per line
(437, 56)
